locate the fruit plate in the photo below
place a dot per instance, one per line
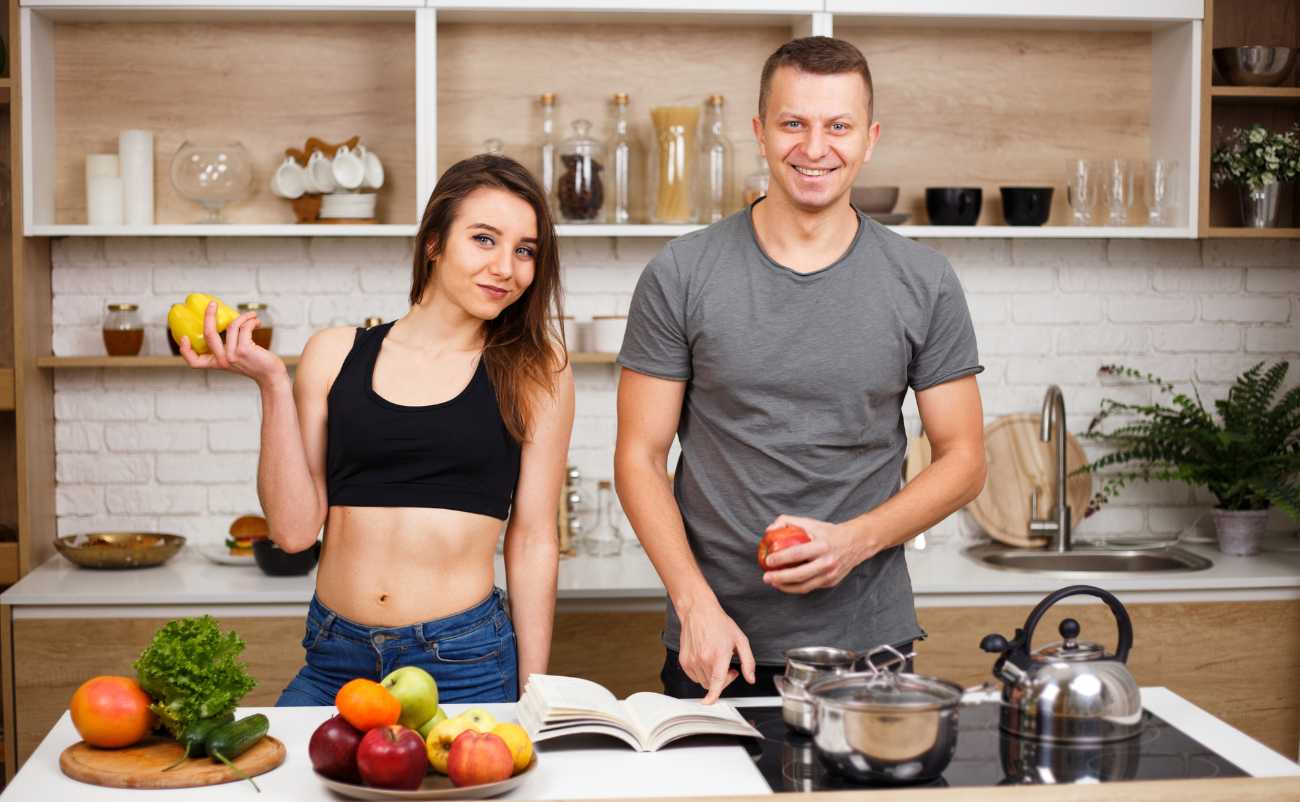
(220, 554)
(435, 786)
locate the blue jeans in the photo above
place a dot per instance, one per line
(470, 654)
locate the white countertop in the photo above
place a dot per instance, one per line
(570, 768)
(940, 577)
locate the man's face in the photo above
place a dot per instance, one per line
(816, 135)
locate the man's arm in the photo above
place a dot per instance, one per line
(649, 409)
(953, 419)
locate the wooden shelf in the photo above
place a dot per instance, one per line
(6, 388)
(150, 362)
(8, 564)
(1230, 232)
(1256, 94)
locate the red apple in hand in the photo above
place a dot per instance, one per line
(783, 537)
(333, 749)
(479, 757)
(392, 757)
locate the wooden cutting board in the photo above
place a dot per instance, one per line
(1017, 462)
(141, 766)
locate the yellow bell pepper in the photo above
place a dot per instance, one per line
(186, 320)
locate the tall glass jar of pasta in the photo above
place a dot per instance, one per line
(674, 163)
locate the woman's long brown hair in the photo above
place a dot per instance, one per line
(524, 348)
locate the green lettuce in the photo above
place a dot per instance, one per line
(192, 672)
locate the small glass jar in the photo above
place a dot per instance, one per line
(757, 181)
(579, 188)
(123, 330)
(603, 540)
(372, 321)
(265, 323)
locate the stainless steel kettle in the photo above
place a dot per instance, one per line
(1070, 691)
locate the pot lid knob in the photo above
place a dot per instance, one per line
(994, 644)
(1069, 630)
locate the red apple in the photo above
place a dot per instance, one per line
(392, 757)
(479, 757)
(333, 749)
(783, 537)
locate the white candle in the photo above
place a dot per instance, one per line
(104, 200)
(136, 150)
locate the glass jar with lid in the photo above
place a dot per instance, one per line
(673, 164)
(603, 540)
(579, 187)
(123, 330)
(265, 323)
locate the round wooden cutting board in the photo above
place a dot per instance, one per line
(141, 766)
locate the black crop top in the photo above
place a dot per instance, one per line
(456, 455)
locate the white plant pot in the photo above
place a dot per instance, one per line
(1240, 531)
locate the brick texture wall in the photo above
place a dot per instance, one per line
(176, 450)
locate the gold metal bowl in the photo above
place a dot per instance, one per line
(119, 549)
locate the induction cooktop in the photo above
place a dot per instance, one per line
(985, 756)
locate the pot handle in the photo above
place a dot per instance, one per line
(896, 658)
(1121, 616)
(790, 690)
(984, 694)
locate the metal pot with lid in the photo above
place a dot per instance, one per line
(1070, 691)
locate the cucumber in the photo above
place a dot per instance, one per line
(194, 737)
(234, 738)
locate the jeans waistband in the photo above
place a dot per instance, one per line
(331, 623)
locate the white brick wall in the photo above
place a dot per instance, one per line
(177, 450)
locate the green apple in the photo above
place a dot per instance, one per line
(427, 726)
(417, 692)
(479, 719)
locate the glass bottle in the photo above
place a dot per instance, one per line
(625, 160)
(579, 187)
(715, 165)
(757, 181)
(546, 148)
(674, 163)
(603, 539)
(123, 330)
(494, 146)
(265, 323)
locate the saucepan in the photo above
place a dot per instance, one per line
(803, 666)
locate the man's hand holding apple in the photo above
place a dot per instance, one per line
(835, 549)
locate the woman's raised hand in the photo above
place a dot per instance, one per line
(237, 353)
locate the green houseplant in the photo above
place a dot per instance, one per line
(1249, 457)
(1257, 160)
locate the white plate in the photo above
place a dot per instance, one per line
(218, 553)
(435, 786)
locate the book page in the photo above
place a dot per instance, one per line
(566, 697)
(664, 718)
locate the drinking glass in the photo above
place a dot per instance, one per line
(1118, 190)
(1160, 190)
(1083, 187)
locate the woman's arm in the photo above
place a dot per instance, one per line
(532, 540)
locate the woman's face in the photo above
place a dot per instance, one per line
(489, 257)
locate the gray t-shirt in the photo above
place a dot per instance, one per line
(795, 384)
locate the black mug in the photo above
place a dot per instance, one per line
(953, 206)
(1026, 206)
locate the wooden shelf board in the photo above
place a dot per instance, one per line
(6, 388)
(146, 362)
(1231, 232)
(1256, 94)
(8, 565)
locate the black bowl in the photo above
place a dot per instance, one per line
(1026, 206)
(953, 206)
(275, 561)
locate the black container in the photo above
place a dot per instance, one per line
(275, 561)
(953, 206)
(1026, 206)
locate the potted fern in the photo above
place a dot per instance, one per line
(1249, 457)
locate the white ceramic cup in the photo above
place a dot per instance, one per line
(322, 172)
(289, 179)
(607, 333)
(349, 170)
(374, 168)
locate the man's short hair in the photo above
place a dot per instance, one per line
(819, 55)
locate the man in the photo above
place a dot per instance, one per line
(778, 345)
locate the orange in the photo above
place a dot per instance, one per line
(112, 712)
(366, 704)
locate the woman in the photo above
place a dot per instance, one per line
(413, 441)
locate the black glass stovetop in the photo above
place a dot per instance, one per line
(985, 756)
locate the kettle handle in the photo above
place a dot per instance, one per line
(1121, 616)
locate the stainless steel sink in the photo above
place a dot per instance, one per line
(1087, 560)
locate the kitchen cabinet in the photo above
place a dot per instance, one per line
(1234, 23)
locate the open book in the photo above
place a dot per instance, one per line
(555, 706)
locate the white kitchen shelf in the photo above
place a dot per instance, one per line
(1027, 10)
(1046, 232)
(230, 230)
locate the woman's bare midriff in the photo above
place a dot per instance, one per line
(388, 567)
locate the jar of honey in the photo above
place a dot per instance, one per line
(265, 324)
(123, 330)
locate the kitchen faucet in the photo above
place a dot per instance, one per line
(1057, 526)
